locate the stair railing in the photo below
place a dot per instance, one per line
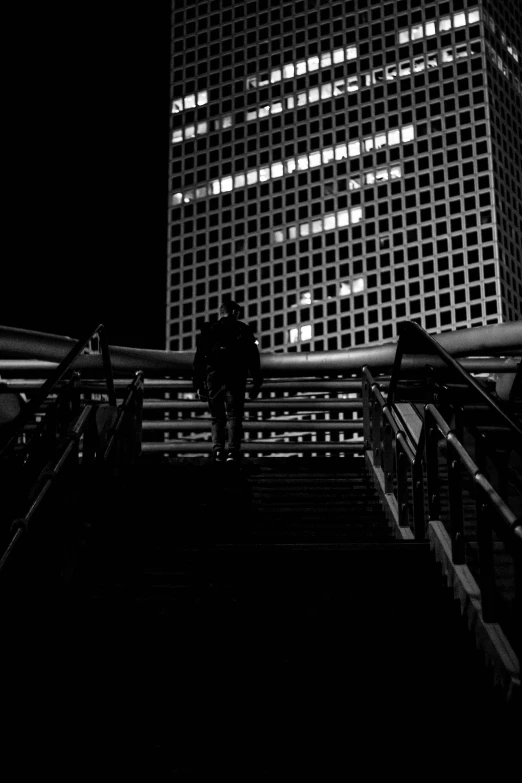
(405, 467)
(98, 435)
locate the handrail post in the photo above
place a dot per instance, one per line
(107, 365)
(456, 512)
(432, 464)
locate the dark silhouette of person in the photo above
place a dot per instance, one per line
(226, 353)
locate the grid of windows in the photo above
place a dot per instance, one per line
(330, 212)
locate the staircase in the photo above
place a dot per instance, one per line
(254, 623)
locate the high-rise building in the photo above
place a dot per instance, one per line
(337, 167)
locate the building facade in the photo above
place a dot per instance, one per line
(338, 167)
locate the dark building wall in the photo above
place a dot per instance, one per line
(338, 167)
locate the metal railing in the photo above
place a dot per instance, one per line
(441, 464)
(61, 426)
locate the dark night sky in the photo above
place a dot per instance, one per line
(85, 230)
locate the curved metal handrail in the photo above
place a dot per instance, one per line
(411, 337)
(57, 375)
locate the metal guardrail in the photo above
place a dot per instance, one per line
(411, 471)
(68, 432)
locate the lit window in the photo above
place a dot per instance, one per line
(394, 137)
(341, 151)
(381, 175)
(317, 226)
(419, 64)
(188, 196)
(177, 105)
(380, 141)
(177, 198)
(408, 133)
(275, 75)
(251, 115)
(315, 159)
(461, 51)
(474, 16)
(202, 127)
(368, 144)
(378, 76)
(215, 187)
(417, 32)
(302, 162)
(189, 101)
(328, 154)
(290, 165)
(351, 53)
(326, 91)
(342, 218)
(358, 285)
(190, 131)
(326, 59)
(355, 215)
(263, 111)
(252, 177)
(313, 94)
(369, 178)
(430, 28)
(459, 20)
(354, 183)
(288, 71)
(177, 135)
(304, 229)
(447, 55)
(352, 85)
(306, 332)
(404, 36)
(202, 98)
(339, 87)
(302, 98)
(300, 67)
(404, 68)
(201, 192)
(251, 82)
(239, 181)
(329, 222)
(264, 174)
(277, 169)
(279, 236)
(226, 184)
(395, 172)
(445, 23)
(290, 102)
(277, 107)
(292, 232)
(432, 61)
(354, 149)
(391, 72)
(226, 121)
(293, 334)
(306, 298)
(338, 55)
(313, 63)
(264, 80)
(366, 80)
(345, 289)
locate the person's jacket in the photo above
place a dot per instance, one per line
(229, 347)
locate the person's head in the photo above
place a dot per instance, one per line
(229, 309)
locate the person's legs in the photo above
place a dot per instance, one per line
(234, 407)
(216, 405)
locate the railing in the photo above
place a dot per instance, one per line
(71, 428)
(406, 450)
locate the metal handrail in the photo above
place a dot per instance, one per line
(410, 335)
(57, 375)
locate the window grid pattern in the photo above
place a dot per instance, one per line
(439, 244)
